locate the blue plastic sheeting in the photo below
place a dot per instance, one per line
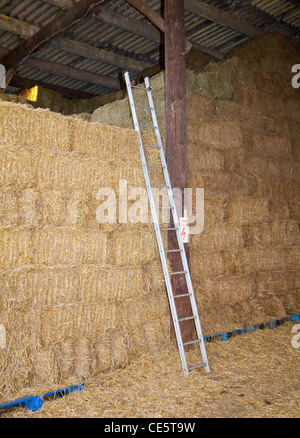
(33, 403)
(251, 328)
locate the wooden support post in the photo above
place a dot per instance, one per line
(176, 139)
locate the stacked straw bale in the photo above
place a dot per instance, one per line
(243, 148)
(77, 297)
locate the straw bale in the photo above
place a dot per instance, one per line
(199, 106)
(115, 113)
(231, 290)
(64, 245)
(218, 236)
(276, 189)
(214, 209)
(130, 171)
(271, 259)
(43, 368)
(266, 144)
(82, 358)
(276, 282)
(35, 128)
(221, 135)
(132, 246)
(275, 233)
(16, 247)
(228, 110)
(106, 142)
(225, 184)
(247, 210)
(62, 207)
(269, 44)
(203, 158)
(28, 207)
(262, 166)
(71, 171)
(42, 288)
(279, 210)
(10, 207)
(16, 168)
(217, 79)
(206, 263)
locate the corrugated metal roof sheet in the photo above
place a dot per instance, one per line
(268, 15)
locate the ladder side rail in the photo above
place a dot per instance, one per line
(178, 232)
(157, 229)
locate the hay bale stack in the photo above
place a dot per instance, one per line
(77, 296)
(245, 261)
(243, 148)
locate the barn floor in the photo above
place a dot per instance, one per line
(256, 375)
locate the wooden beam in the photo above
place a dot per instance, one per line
(91, 52)
(144, 9)
(214, 14)
(19, 27)
(23, 83)
(176, 140)
(216, 53)
(129, 24)
(56, 26)
(71, 72)
(155, 18)
(26, 30)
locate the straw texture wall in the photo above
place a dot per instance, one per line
(77, 297)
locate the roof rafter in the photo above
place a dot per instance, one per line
(214, 14)
(26, 30)
(59, 24)
(71, 72)
(23, 83)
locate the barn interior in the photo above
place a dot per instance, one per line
(83, 299)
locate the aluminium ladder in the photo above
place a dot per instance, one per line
(168, 275)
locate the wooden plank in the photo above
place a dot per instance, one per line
(87, 51)
(155, 18)
(19, 27)
(176, 140)
(129, 24)
(71, 72)
(214, 14)
(62, 21)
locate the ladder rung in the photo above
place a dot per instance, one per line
(143, 106)
(197, 366)
(187, 318)
(182, 295)
(173, 250)
(151, 146)
(179, 272)
(155, 165)
(165, 229)
(196, 341)
(168, 208)
(141, 88)
(148, 126)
